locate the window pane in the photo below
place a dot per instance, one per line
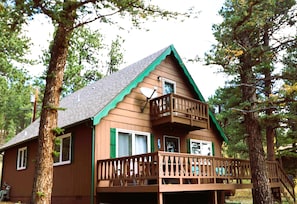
(20, 158)
(195, 148)
(168, 87)
(140, 144)
(206, 149)
(171, 144)
(124, 144)
(24, 158)
(66, 149)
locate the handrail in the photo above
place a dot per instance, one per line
(287, 184)
(174, 105)
(161, 166)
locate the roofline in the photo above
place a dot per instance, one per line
(132, 85)
(36, 136)
(112, 104)
(200, 96)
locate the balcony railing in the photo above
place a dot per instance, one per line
(184, 172)
(180, 110)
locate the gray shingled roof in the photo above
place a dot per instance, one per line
(87, 102)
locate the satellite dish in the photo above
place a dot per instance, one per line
(149, 93)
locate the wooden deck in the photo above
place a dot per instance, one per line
(177, 172)
(173, 109)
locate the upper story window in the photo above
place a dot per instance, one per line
(132, 142)
(200, 147)
(171, 144)
(168, 86)
(63, 150)
(22, 158)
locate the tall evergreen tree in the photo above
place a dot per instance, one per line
(247, 49)
(15, 108)
(67, 16)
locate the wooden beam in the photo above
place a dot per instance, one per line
(160, 198)
(215, 197)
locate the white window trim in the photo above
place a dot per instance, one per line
(133, 133)
(70, 151)
(201, 141)
(20, 161)
(169, 81)
(164, 141)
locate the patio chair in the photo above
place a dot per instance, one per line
(4, 193)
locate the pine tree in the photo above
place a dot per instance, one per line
(247, 50)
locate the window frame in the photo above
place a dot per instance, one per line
(171, 137)
(22, 162)
(201, 141)
(133, 138)
(164, 80)
(60, 162)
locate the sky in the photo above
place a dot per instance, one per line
(192, 37)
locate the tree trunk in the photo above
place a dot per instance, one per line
(261, 191)
(43, 180)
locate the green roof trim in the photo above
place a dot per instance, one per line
(112, 104)
(129, 88)
(200, 96)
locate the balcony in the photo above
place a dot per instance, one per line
(172, 110)
(179, 172)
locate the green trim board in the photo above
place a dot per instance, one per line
(152, 140)
(200, 96)
(112, 142)
(112, 104)
(129, 88)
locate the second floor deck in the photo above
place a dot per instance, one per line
(175, 110)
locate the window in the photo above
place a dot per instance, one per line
(200, 147)
(22, 158)
(171, 144)
(63, 150)
(131, 143)
(168, 86)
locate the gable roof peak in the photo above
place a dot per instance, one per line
(94, 101)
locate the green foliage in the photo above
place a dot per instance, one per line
(115, 56)
(56, 154)
(67, 16)
(15, 109)
(58, 130)
(57, 141)
(225, 103)
(84, 62)
(40, 194)
(254, 30)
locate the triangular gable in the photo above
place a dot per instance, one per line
(104, 112)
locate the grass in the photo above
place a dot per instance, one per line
(242, 196)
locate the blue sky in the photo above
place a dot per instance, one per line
(191, 38)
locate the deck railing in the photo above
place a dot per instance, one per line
(163, 168)
(176, 108)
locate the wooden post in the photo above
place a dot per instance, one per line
(160, 198)
(215, 197)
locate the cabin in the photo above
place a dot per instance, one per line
(141, 135)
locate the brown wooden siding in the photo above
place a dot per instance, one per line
(21, 181)
(72, 183)
(127, 114)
